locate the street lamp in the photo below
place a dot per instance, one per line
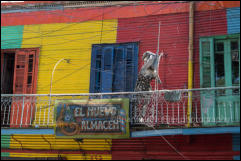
(67, 60)
(50, 90)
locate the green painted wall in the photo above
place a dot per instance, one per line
(11, 37)
(5, 141)
(4, 154)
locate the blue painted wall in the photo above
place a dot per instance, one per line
(236, 145)
(233, 20)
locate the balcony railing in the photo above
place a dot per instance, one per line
(207, 107)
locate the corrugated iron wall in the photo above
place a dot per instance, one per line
(69, 41)
(196, 147)
(66, 41)
(207, 23)
(173, 69)
(34, 146)
(233, 20)
(236, 145)
(11, 37)
(178, 147)
(73, 41)
(173, 41)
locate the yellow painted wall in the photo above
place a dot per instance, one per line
(50, 142)
(70, 41)
(67, 156)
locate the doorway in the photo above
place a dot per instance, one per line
(7, 76)
(7, 73)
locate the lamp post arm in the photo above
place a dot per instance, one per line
(53, 75)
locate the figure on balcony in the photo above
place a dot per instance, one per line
(148, 72)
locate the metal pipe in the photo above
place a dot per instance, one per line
(190, 62)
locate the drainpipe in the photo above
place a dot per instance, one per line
(190, 62)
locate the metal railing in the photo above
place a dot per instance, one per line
(211, 107)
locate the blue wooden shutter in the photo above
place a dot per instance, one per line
(107, 69)
(131, 66)
(95, 73)
(119, 79)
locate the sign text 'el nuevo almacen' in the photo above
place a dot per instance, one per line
(96, 118)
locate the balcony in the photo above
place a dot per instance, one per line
(164, 109)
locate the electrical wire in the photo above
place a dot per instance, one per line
(178, 152)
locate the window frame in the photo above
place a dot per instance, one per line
(115, 46)
(212, 40)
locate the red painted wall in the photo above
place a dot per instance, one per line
(173, 41)
(195, 147)
(174, 28)
(174, 74)
(208, 23)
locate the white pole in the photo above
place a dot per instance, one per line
(53, 75)
(156, 80)
(50, 90)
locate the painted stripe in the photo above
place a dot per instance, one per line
(156, 133)
(27, 131)
(11, 37)
(67, 156)
(76, 155)
(233, 20)
(191, 131)
(46, 142)
(5, 140)
(218, 130)
(5, 154)
(54, 151)
(236, 142)
(237, 157)
(86, 14)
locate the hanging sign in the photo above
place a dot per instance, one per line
(95, 118)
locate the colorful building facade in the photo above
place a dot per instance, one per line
(85, 44)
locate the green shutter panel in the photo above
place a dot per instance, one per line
(208, 111)
(206, 63)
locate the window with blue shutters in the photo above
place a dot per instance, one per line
(114, 67)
